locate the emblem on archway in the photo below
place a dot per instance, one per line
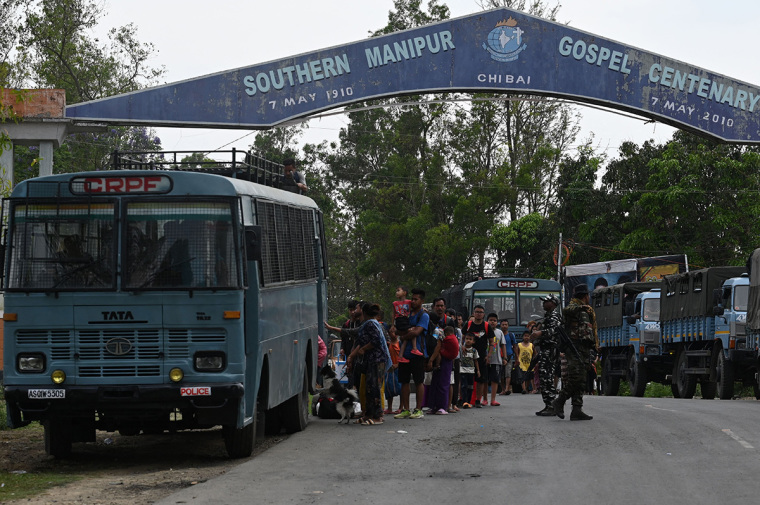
(505, 42)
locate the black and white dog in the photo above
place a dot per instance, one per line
(345, 399)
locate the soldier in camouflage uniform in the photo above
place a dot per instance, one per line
(580, 324)
(546, 339)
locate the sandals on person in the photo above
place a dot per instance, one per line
(370, 422)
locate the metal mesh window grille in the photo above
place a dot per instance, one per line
(62, 246)
(180, 245)
(288, 245)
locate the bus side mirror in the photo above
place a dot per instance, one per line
(253, 243)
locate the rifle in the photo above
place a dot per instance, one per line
(566, 341)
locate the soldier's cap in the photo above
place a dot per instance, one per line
(580, 290)
(550, 298)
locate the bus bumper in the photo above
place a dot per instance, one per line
(209, 404)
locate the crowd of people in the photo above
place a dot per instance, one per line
(457, 362)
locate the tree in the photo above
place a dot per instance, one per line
(695, 196)
(56, 50)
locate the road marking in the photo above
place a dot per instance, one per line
(743, 443)
(658, 408)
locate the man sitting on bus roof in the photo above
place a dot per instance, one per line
(295, 182)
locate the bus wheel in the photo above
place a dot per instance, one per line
(610, 384)
(57, 437)
(724, 371)
(295, 413)
(687, 383)
(239, 441)
(637, 376)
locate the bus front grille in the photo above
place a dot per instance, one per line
(120, 371)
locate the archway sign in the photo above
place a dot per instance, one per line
(494, 51)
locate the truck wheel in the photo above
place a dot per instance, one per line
(709, 389)
(687, 383)
(637, 376)
(295, 412)
(58, 437)
(610, 384)
(674, 390)
(724, 372)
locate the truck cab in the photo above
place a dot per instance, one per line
(735, 360)
(731, 314)
(644, 326)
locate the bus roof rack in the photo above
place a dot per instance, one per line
(474, 275)
(243, 165)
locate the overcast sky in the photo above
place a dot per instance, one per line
(194, 38)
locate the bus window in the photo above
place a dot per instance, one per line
(62, 247)
(503, 303)
(187, 245)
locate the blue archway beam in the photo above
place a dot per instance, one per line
(494, 51)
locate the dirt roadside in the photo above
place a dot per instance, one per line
(118, 470)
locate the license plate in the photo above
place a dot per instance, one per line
(46, 394)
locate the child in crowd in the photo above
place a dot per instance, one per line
(525, 349)
(468, 367)
(392, 386)
(401, 311)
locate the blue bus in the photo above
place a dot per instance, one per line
(515, 299)
(153, 297)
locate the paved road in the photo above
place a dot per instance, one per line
(635, 451)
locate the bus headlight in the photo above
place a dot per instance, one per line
(176, 374)
(209, 361)
(58, 376)
(31, 362)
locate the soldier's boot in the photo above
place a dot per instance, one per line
(578, 415)
(547, 412)
(559, 407)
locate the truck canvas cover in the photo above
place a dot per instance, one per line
(753, 307)
(609, 303)
(691, 294)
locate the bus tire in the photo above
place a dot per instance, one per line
(239, 441)
(687, 383)
(58, 437)
(295, 412)
(637, 377)
(610, 384)
(724, 371)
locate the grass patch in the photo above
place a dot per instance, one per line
(18, 486)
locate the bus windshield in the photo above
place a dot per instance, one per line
(531, 306)
(180, 245)
(503, 303)
(62, 246)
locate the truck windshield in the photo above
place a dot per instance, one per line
(503, 303)
(180, 245)
(741, 298)
(651, 310)
(62, 246)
